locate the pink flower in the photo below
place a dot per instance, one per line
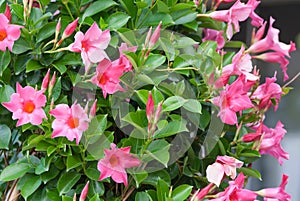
(241, 64)
(26, 105)
(91, 45)
(275, 57)
(7, 13)
(236, 192)
(278, 193)
(214, 35)
(115, 162)
(232, 99)
(267, 92)
(70, 28)
(271, 42)
(123, 59)
(69, 122)
(84, 192)
(237, 13)
(107, 76)
(199, 195)
(9, 33)
(256, 20)
(224, 165)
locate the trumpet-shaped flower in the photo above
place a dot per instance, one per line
(237, 13)
(278, 193)
(115, 162)
(123, 59)
(91, 45)
(70, 122)
(257, 21)
(232, 99)
(26, 105)
(224, 165)
(214, 35)
(9, 33)
(107, 76)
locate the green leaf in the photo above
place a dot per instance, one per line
(20, 46)
(153, 177)
(137, 119)
(159, 150)
(185, 42)
(29, 184)
(117, 20)
(5, 92)
(182, 192)
(67, 181)
(46, 31)
(172, 128)
(162, 189)
(95, 198)
(173, 103)
(73, 162)
(92, 173)
(193, 105)
(153, 61)
(142, 196)
(154, 18)
(139, 177)
(5, 135)
(33, 65)
(18, 10)
(50, 174)
(97, 7)
(183, 16)
(67, 198)
(97, 125)
(14, 171)
(250, 172)
(4, 61)
(129, 6)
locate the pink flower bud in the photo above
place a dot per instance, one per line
(53, 80)
(149, 107)
(58, 26)
(199, 195)
(93, 109)
(7, 13)
(70, 28)
(84, 192)
(155, 36)
(148, 37)
(158, 112)
(46, 81)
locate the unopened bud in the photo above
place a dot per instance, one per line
(93, 109)
(45, 81)
(150, 107)
(155, 36)
(7, 13)
(84, 192)
(70, 29)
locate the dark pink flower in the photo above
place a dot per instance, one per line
(115, 162)
(70, 122)
(267, 92)
(278, 193)
(214, 35)
(199, 195)
(237, 13)
(91, 45)
(7, 13)
(224, 165)
(108, 76)
(257, 21)
(235, 191)
(123, 59)
(84, 192)
(232, 99)
(9, 33)
(26, 105)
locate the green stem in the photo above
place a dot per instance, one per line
(69, 11)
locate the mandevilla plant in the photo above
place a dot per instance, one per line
(136, 100)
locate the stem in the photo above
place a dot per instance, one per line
(202, 15)
(292, 80)
(58, 50)
(177, 69)
(128, 194)
(69, 11)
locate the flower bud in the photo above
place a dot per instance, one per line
(93, 109)
(46, 81)
(7, 13)
(84, 192)
(150, 107)
(155, 36)
(70, 29)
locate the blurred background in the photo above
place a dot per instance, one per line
(287, 15)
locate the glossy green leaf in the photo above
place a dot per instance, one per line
(193, 105)
(173, 103)
(97, 7)
(153, 61)
(93, 173)
(142, 196)
(5, 135)
(159, 150)
(162, 189)
(73, 161)
(5, 92)
(4, 61)
(172, 128)
(153, 177)
(182, 192)
(46, 31)
(50, 174)
(250, 172)
(21, 46)
(139, 177)
(117, 20)
(97, 125)
(67, 181)
(33, 65)
(29, 184)
(14, 171)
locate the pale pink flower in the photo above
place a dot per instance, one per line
(26, 105)
(257, 36)
(241, 64)
(237, 13)
(224, 165)
(70, 122)
(108, 76)
(9, 33)
(276, 194)
(91, 45)
(267, 92)
(84, 192)
(235, 191)
(271, 42)
(232, 99)
(214, 35)
(115, 162)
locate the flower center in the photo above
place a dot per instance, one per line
(102, 79)
(28, 106)
(84, 45)
(114, 160)
(73, 122)
(3, 35)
